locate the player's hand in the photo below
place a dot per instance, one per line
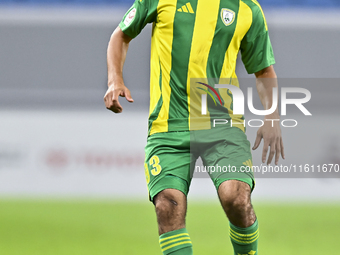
(112, 95)
(271, 134)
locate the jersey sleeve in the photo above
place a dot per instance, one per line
(141, 13)
(256, 49)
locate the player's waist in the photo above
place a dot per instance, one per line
(195, 123)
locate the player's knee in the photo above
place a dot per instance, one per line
(235, 197)
(238, 204)
(164, 206)
(170, 202)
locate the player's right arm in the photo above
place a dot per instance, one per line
(141, 13)
(116, 55)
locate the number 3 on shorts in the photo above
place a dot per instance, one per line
(154, 162)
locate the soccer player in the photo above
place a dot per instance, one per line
(198, 39)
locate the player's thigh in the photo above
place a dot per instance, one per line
(168, 162)
(228, 157)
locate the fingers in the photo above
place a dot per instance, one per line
(111, 98)
(278, 151)
(282, 149)
(276, 148)
(257, 141)
(115, 105)
(111, 101)
(265, 152)
(127, 95)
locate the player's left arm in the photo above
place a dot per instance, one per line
(270, 132)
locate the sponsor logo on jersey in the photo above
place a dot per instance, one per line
(186, 8)
(227, 16)
(129, 17)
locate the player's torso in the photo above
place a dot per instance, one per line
(192, 39)
(202, 31)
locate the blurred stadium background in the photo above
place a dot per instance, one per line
(71, 173)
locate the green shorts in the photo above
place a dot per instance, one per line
(170, 158)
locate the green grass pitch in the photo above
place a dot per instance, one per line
(31, 227)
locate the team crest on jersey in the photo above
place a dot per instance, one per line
(129, 17)
(227, 16)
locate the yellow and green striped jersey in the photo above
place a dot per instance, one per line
(196, 39)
